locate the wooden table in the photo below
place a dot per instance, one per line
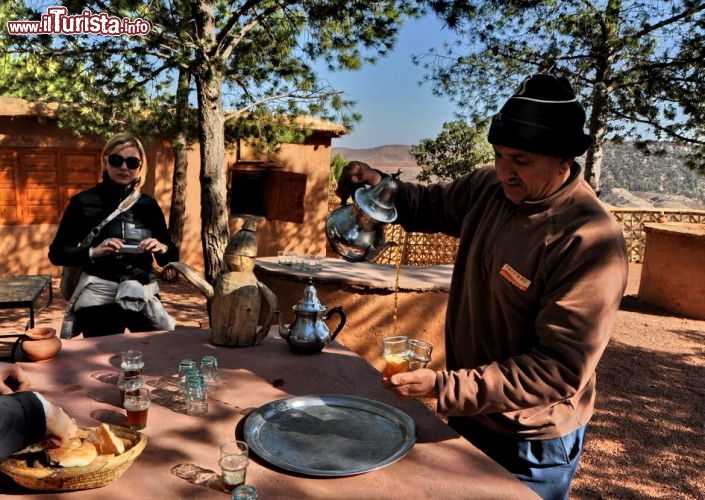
(23, 292)
(82, 380)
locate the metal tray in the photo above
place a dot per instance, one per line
(329, 435)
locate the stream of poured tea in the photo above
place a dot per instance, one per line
(396, 288)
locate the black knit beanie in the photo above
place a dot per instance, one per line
(543, 117)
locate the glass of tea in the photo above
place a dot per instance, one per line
(234, 447)
(132, 362)
(233, 470)
(419, 354)
(137, 406)
(128, 382)
(396, 355)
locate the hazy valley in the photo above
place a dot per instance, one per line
(629, 178)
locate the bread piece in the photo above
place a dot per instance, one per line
(83, 433)
(46, 444)
(79, 457)
(54, 454)
(105, 441)
(73, 453)
(33, 448)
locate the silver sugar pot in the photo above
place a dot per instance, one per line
(308, 333)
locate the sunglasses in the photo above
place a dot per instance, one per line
(116, 161)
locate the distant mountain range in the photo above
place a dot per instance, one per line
(388, 159)
(629, 178)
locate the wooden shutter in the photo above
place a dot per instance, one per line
(9, 190)
(40, 173)
(81, 171)
(284, 196)
(36, 184)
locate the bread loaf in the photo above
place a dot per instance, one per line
(105, 441)
(74, 453)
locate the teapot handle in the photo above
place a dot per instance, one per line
(336, 310)
(268, 313)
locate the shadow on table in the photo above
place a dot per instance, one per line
(199, 476)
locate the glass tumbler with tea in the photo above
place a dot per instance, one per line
(137, 406)
(396, 355)
(234, 447)
(132, 362)
(233, 470)
(419, 354)
(128, 383)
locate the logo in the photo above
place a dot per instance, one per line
(57, 21)
(514, 277)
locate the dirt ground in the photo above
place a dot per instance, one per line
(646, 438)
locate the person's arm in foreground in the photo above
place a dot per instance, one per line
(26, 417)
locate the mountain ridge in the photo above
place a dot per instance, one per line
(630, 178)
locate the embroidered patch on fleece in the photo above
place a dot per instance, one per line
(514, 277)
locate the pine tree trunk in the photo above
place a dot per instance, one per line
(177, 210)
(211, 136)
(597, 126)
(597, 122)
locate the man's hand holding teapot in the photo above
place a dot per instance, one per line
(354, 176)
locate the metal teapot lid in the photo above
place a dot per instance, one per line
(309, 302)
(378, 202)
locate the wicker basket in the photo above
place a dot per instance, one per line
(95, 475)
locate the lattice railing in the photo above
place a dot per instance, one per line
(632, 221)
(419, 249)
(433, 249)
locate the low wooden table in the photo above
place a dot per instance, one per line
(181, 457)
(23, 292)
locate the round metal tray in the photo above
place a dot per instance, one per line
(329, 435)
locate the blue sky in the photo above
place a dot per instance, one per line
(395, 108)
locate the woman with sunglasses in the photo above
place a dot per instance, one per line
(118, 286)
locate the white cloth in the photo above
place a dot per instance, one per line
(131, 295)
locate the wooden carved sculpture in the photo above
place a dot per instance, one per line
(238, 314)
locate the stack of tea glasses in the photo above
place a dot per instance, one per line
(194, 383)
(196, 393)
(130, 377)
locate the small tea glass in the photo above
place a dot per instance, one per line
(128, 382)
(209, 369)
(196, 394)
(396, 355)
(234, 447)
(302, 262)
(233, 470)
(132, 361)
(419, 354)
(184, 366)
(137, 407)
(244, 492)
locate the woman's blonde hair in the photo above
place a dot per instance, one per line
(118, 141)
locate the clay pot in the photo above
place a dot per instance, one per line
(41, 344)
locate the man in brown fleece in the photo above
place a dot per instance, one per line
(538, 278)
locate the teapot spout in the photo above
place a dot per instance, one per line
(194, 278)
(283, 330)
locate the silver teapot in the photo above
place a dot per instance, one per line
(356, 231)
(308, 333)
